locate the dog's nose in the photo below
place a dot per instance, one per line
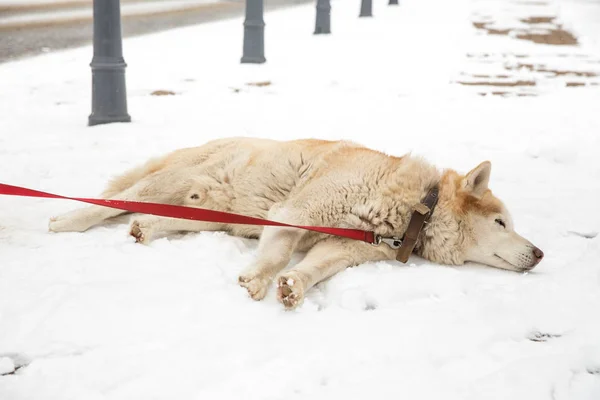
(539, 254)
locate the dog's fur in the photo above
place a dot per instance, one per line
(323, 183)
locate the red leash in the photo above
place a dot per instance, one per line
(197, 214)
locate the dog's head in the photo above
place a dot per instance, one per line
(474, 225)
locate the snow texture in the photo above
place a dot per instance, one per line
(77, 12)
(7, 366)
(96, 316)
(33, 2)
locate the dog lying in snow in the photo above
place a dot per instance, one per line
(319, 183)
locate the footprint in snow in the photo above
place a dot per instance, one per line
(542, 337)
(586, 235)
(11, 363)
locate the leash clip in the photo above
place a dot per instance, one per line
(394, 242)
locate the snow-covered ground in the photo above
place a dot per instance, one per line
(66, 2)
(53, 12)
(38, 2)
(96, 316)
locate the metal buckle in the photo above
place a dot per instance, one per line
(394, 242)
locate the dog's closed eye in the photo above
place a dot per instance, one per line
(500, 222)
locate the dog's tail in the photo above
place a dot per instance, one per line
(133, 176)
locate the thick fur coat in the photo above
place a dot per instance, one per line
(323, 183)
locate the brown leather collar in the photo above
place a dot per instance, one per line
(420, 216)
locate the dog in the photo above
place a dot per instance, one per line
(318, 183)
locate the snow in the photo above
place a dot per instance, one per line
(127, 10)
(7, 366)
(97, 316)
(16, 2)
(70, 2)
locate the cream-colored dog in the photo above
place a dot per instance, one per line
(322, 183)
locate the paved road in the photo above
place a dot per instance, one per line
(22, 42)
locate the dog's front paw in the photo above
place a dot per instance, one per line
(257, 287)
(140, 231)
(290, 290)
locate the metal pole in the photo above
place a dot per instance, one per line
(254, 33)
(393, 3)
(109, 97)
(366, 8)
(323, 21)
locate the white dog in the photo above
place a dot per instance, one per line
(320, 183)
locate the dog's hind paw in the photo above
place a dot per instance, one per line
(66, 223)
(290, 292)
(140, 231)
(257, 287)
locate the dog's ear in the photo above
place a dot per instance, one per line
(476, 181)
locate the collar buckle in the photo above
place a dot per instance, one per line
(394, 242)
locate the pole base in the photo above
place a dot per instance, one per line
(253, 60)
(108, 119)
(321, 31)
(366, 8)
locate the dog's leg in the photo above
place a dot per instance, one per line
(143, 227)
(82, 219)
(275, 249)
(162, 187)
(325, 259)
